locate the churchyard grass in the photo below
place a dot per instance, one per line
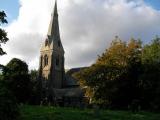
(57, 113)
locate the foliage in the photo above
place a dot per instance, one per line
(150, 79)
(17, 78)
(34, 75)
(126, 74)
(8, 107)
(3, 34)
(57, 113)
(36, 89)
(113, 79)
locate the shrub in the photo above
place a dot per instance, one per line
(8, 106)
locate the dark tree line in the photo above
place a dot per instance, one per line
(8, 104)
(17, 84)
(21, 82)
(17, 79)
(126, 75)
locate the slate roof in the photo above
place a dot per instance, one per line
(67, 92)
(70, 81)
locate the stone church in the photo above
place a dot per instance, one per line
(59, 87)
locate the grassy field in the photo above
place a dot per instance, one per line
(56, 113)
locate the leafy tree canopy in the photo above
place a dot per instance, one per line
(114, 75)
(17, 78)
(150, 78)
(3, 34)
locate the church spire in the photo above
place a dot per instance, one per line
(55, 8)
(53, 29)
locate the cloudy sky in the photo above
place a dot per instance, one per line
(87, 27)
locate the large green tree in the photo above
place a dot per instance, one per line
(3, 34)
(17, 78)
(113, 79)
(8, 104)
(150, 79)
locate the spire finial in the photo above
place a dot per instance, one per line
(55, 8)
(54, 25)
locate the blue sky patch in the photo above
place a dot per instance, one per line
(11, 8)
(154, 3)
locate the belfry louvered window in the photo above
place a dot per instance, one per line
(45, 60)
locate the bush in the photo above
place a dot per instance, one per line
(17, 79)
(8, 106)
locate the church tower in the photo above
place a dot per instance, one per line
(52, 56)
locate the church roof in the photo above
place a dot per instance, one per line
(67, 92)
(70, 80)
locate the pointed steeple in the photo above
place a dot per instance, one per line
(53, 30)
(55, 8)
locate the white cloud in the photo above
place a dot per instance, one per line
(86, 26)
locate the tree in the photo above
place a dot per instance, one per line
(17, 78)
(8, 106)
(3, 34)
(150, 79)
(113, 79)
(36, 89)
(34, 75)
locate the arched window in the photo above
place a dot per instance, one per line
(45, 60)
(46, 42)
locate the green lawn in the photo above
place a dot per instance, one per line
(56, 113)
